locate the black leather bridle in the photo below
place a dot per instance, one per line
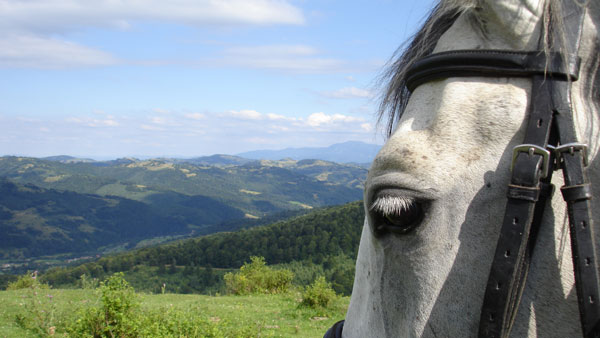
(550, 143)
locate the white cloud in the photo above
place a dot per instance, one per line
(92, 122)
(276, 117)
(165, 121)
(292, 58)
(161, 111)
(176, 134)
(249, 114)
(273, 50)
(29, 51)
(319, 119)
(366, 126)
(195, 116)
(58, 16)
(259, 140)
(159, 120)
(151, 128)
(104, 123)
(29, 29)
(246, 114)
(348, 93)
(280, 128)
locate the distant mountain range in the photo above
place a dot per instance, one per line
(72, 206)
(347, 152)
(63, 205)
(67, 159)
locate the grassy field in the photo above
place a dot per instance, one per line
(255, 315)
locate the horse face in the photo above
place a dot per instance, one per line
(435, 196)
(445, 169)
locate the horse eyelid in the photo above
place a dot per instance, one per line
(390, 205)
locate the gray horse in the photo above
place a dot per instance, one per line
(436, 193)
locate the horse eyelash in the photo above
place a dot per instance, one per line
(390, 205)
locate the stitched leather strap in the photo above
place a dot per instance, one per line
(583, 247)
(521, 222)
(490, 63)
(576, 192)
(523, 193)
(500, 305)
(335, 331)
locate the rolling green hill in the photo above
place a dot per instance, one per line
(257, 188)
(325, 241)
(36, 221)
(72, 207)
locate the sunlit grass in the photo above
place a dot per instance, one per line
(265, 315)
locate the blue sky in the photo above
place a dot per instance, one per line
(185, 78)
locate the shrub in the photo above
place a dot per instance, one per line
(318, 294)
(38, 315)
(118, 316)
(257, 277)
(7, 279)
(27, 281)
(87, 283)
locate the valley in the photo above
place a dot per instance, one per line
(60, 210)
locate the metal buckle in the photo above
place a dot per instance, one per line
(571, 148)
(532, 149)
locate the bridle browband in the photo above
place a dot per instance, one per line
(489, 63)
(550, 144)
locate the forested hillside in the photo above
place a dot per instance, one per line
(321, 242)
(36, 221)
(75, 207)
(309, 237)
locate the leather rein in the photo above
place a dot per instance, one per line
(550, 144)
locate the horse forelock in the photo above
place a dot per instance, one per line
(394, 93)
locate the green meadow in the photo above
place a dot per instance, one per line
(256, 315)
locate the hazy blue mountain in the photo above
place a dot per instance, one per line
(257, 188)
(347, 152)
(218, 160)
(67, 159)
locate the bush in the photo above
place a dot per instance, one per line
(257, 277)
(38, 311)
(318, 294)
(118, 316)
(87, 283)
(121, 316)
(7, 279)
(167, 322)
(27, 281)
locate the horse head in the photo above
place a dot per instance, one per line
(435, 195)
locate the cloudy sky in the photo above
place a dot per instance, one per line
(114, 78)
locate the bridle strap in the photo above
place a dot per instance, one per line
(508, 272)
(550, 100)
(335, 331)
(572, 158)
(490, 63)
(510, 265)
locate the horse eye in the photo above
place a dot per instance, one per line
(397, 215)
